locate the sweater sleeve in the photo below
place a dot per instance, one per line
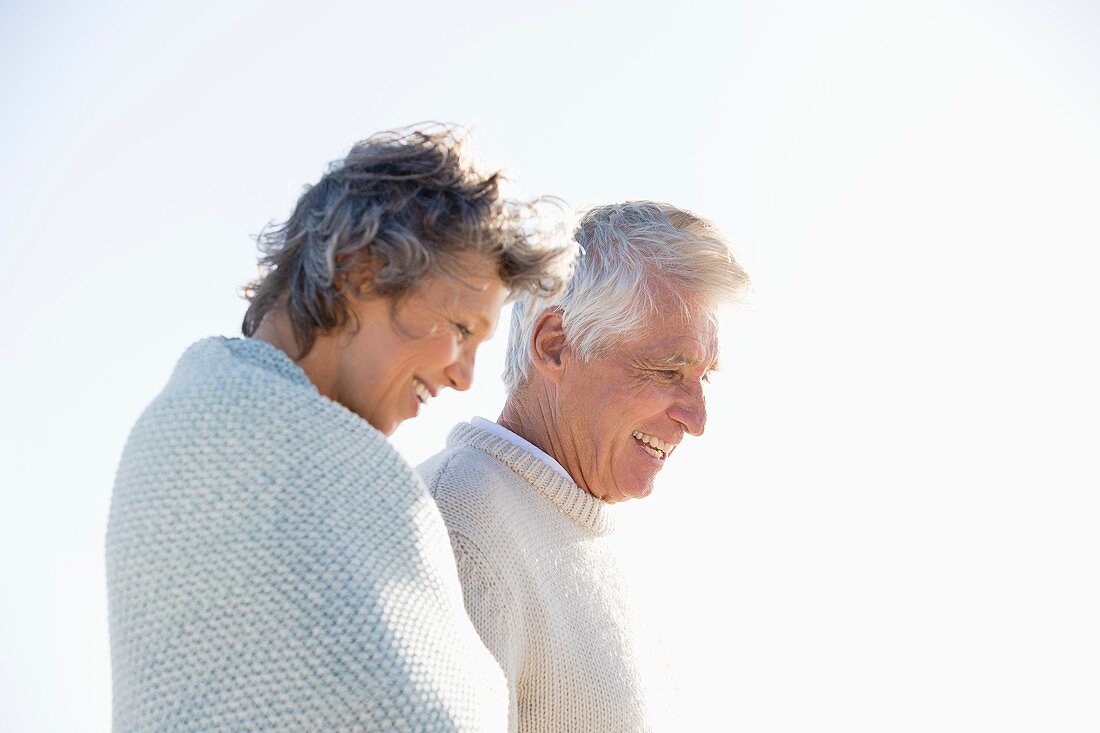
(495, 613)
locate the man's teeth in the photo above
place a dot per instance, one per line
(653, 445)
(422, 392)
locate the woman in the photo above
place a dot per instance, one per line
(273, 563)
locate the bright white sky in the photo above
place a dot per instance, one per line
(891, 523)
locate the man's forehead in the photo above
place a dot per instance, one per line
(679, 336)
(683, 351)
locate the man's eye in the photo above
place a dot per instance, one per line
(463, 332)
(669, 375)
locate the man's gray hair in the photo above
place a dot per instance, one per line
(402, 206)
(629, 253)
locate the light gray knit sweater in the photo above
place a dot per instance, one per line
(274, 564)
(541, 585)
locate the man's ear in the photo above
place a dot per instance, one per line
(548, 345)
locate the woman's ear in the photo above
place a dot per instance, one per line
(548, 345)
(358, 278)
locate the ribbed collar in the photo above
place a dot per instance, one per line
(502, 432)
(571, 500)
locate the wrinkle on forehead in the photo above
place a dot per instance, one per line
(682, 350)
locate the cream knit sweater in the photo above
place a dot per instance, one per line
(273, 564)
(541, 586)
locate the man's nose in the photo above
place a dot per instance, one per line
(691, 410)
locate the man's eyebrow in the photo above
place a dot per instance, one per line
(680, 360)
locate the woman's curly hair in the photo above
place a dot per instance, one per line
(402, 206)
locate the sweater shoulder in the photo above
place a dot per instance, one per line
(214, 380)
(235, 396)
(246, 435)
(477, 495)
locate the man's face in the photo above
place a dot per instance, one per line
(620, 415)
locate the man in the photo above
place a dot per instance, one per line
(604, 382)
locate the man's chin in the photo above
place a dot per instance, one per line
(637, 486)
(638, 492)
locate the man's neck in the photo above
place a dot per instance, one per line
(529, 414)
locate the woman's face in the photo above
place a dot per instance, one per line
(396, 361)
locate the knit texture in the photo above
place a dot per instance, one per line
(541, 586)
(274, 564)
